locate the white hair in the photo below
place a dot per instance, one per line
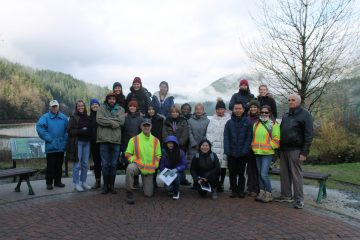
(295, 96)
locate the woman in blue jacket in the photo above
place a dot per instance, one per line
(162, 100)
(173, 158)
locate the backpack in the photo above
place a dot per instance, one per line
(197, 155)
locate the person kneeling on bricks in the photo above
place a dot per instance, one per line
(143, 153)
(174, 159)
(205, 169)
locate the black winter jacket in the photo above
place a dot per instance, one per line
(179, 128)
(296, 131)
(204, 166)
(131, 128)
(267, 100)
(238, 136)
(241, 97)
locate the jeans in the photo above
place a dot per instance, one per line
(83, 153)
(174, 186)
(109, 153)
(54, 163)
(263, 163)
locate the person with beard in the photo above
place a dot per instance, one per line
(120, 97)
(205, 167)
(266, 138)
(215, 134)
(110, 117)
(186, 111)
(78, 148)
(157, 122)
(251, 169)
(237, 145)
(131, 128)
(244, 95)
(162, 100)
(177, 126)
(174, 159)
(95, 147)
(140, 94)
(265, 98)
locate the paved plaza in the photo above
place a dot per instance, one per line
(65, 214)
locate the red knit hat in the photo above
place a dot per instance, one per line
(137, 80)
(133, 103)
(244, 82)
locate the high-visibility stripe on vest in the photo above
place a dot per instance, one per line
(262, 143)
(145, 167)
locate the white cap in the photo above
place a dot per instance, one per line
(53, 103)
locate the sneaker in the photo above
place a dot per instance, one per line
(298, 205)
(252, 194)
(267, 197)
(85, 186)
(60, 184)
(176, 196)
(214, 195)
(284, 199)
(130, 197)
(233, 195)
(260, 196)
(136, 186)
(79, 188)
(49, 187)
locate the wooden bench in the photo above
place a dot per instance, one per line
(320, 177)
(23, 173)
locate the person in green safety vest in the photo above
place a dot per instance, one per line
(144, 153)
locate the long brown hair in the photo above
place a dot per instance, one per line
(76, 105)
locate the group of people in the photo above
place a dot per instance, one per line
(153, 133)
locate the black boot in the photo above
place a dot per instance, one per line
(97, 184)
(136, 182)
(112, 184)
(105, 189)
(154, 179)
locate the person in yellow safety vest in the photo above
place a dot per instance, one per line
(144, 153)
(266, 138)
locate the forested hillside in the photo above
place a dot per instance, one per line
(25, 92)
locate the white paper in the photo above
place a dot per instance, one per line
(166, 177)
(205, 186)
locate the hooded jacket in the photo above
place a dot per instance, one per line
(162, 107)
(142, 96)
(244, 97)
(204, 165)
(215, 134)
(165, 163)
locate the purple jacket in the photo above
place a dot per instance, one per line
(164, 161)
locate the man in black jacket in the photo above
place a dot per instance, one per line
(295, 140)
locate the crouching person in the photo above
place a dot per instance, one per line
(205, 167)
(175, 159)
(143, 152)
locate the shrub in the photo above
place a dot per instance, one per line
(334, 144)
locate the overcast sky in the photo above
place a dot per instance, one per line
(189, 43)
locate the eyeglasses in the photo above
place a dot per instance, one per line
(265, 112)
(291, 100)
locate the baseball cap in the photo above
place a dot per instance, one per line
(146, 121)
(53, 103)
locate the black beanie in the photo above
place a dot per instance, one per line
(117, 84)
(220, 104)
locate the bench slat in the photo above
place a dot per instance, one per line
(16, 172)
(309, 175)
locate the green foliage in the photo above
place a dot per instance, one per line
(25, 92)
(334, 144)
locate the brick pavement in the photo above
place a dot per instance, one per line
(91, 215)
